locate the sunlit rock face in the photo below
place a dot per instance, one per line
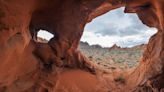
(29, 66)
(150, 70)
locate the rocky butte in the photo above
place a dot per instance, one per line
(57, 66)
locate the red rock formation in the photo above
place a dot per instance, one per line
(28, 66)
(150, 70)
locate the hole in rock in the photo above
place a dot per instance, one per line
(44, 36)
(115, 40)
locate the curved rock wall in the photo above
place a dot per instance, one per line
(149, 72)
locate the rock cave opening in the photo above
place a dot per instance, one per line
(57, 66)
(115, 40)
(44, 36)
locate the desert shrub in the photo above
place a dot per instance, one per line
(120, 79)
(98, 58)
(130, 54)
(90, 57)
(120, 60)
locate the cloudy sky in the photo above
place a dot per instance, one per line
(45, 35)
(116, 27)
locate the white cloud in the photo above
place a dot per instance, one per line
(116, 27)
(93, 39)
(45, 35)
(108, 41)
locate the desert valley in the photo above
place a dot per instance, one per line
(69, 61)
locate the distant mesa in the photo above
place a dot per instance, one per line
(87, 44)
(115, 46)
(41, 40)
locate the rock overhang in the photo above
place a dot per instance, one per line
(66, 19)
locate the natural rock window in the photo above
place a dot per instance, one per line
(57, 66)
(44, 36)
(115, 40)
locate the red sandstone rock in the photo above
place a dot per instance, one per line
(23, 63)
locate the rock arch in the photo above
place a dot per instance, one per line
(25, 61)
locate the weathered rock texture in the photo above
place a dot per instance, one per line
(28, 66)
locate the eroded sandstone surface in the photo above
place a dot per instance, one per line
(29, 66)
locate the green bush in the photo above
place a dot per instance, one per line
(98, 58)
(90, 57)
(120, 79)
